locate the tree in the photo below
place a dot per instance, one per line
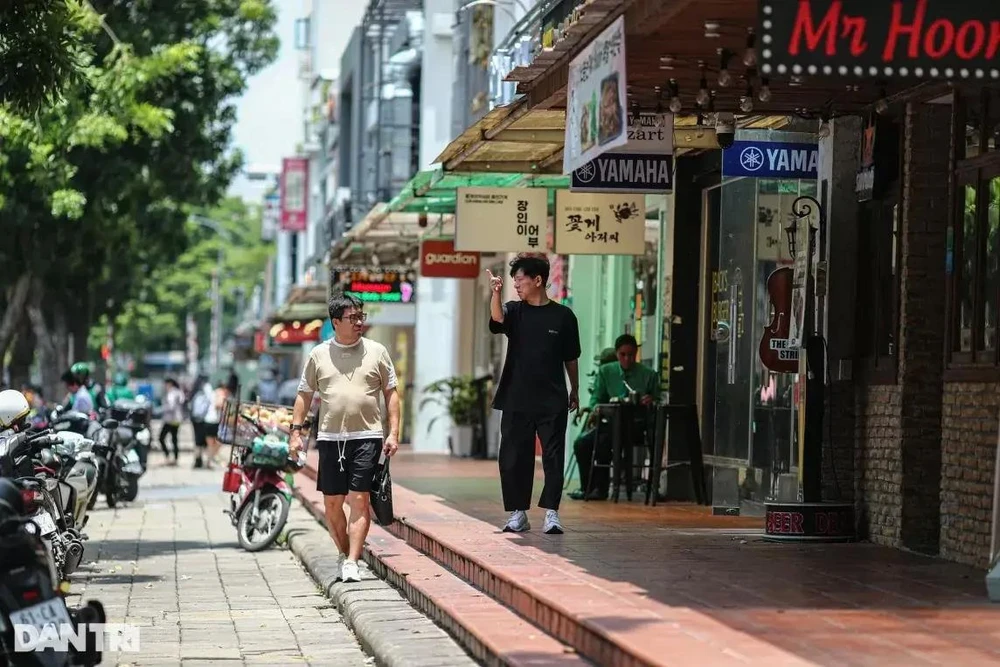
(155, 320)
(39, 44)
(126, 155)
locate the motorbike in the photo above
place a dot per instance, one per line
(50, 500)
(29, 590)
(260, 498)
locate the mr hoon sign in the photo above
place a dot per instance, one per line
(923, 39)
(771, 159)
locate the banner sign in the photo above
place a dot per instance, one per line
(595, 109)
(439, 259)
(294, 194)
(643, 165)
(600, 224)
(375, 286)
(501, 219)
(922, 39)
(771, 159)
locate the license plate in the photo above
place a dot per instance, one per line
(49, 613)
(131, 457)
(44, 522)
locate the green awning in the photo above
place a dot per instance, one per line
(434, 191)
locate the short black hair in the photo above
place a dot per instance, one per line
(171, 381)
(70, 378)
(339, 302)
(626, 339)
(532, 266)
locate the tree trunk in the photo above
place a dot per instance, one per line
(17, 299)
(52, 341)
(22, 355)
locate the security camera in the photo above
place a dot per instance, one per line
(725, 130)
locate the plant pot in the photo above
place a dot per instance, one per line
(460, 441)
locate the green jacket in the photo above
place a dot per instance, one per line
(610, 382)
(117, 392)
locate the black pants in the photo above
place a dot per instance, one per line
(171, 430)
(584, 450)
(517, 457)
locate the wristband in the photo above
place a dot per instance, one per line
(296, 427)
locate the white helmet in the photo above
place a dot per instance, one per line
(13, 408)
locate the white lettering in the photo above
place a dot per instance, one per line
(456, 258)
(651, 171)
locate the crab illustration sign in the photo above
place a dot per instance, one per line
(600, 224)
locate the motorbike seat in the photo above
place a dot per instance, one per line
(11, 501)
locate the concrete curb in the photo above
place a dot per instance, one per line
(386, 625)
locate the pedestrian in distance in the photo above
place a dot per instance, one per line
(351, 374)
(543, 348)
(173, 415)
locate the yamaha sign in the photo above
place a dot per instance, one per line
(439, 259)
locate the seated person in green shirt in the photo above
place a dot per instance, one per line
(120, 389)
(613, 382)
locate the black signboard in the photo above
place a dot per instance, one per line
(377, 286)
(809, 522)
(922, 39)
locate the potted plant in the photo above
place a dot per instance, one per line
(459, 396)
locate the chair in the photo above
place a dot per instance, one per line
(624, 419)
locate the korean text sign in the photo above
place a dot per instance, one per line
(596, 118)
(600, 224)
(294, 194)
(501, 219)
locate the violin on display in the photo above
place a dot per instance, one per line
(774, 350)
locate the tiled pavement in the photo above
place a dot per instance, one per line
(170, 564)
(678, 586)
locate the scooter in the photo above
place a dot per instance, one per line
(29, 590)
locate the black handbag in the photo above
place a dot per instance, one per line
(381, 494)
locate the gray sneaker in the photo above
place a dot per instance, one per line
(517, 523)
(552, 525)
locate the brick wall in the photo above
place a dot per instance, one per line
(969, 445)
(878, 474)
(925, 217)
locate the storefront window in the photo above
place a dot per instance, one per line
(966, 280)
(992, 277)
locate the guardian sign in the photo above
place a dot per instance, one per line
(771, 159)
(439, 259)
(918, 39)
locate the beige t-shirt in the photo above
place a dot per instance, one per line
(349, 379)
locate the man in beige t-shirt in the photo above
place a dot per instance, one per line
(350, 373)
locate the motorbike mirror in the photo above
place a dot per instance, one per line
(110, 424)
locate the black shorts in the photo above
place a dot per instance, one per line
(211, 430)
(360, 459)
(199, 434)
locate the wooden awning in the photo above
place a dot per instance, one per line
(514, 139)
(671, 40)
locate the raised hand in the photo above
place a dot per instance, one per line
(496, 282)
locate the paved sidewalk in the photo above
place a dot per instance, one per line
(170, 563)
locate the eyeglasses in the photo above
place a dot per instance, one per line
(357, 318)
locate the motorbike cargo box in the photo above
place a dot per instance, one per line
(129, 410)
(270, 451)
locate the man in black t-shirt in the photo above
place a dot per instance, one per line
(543, 347)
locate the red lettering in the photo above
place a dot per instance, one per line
(939, 50)
(786, 522)
(797, 520)
(994, 45)
(806, 29)
(822, 523)
(371, 287)
(896, 29)
(857, 26)
(962, 46)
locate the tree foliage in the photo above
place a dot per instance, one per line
(155, 320)
(97, 185)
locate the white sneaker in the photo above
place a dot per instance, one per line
(349, 571)
(552, 525)
(517, 523)
(340, 567)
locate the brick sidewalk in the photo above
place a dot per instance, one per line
(170, 563)
(675, 585)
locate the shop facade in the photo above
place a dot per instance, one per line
(900, 296)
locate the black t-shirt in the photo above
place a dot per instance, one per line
(541, 339)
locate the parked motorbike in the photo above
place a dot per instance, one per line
(49, 499)
(29, 590)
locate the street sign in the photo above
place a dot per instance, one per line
(643, 166)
